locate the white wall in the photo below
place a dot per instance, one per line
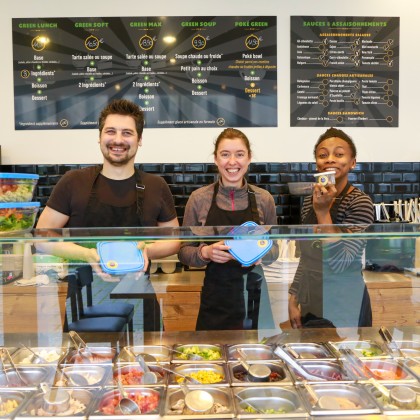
(281, 144)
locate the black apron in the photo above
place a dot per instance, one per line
(327, 298)
(222, 305)
(99, 214)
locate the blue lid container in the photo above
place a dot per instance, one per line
(16, 187)
(248, 251)
(17, 217)
(120, 257)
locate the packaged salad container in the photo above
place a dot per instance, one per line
(17, 187)
(17, 217)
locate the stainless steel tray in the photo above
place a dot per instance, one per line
(413, 365)
(199, 369)
(409, 348)
(80, 400)
(12, 401)
(32, 376)
(276, 402)
(330, 369)
(132, 374)
(352, 398)
(96, 375)
(210, 352)
(106, 398)
(363, 349)
(95, 356)
(387, 370)
(161, 354)
(53, 355)
(387, 407)
(252, 352)
(279, 375)
(309, 351)
(222, 397)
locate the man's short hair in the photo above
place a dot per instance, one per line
(123, 107)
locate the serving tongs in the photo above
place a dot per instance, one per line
(81, 347)
(296, 366)
(36, 358)
(3, 368)
(390, 342)
(354, 360)
(5, 352)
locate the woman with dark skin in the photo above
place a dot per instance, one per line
(328, 286)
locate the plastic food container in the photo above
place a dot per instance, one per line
(17, 217)
(17, 187)
(300, 188)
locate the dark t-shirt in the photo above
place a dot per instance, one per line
(71, 195)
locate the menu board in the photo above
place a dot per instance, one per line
(344, 71)
(183, 71)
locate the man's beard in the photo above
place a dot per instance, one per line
(118, 161)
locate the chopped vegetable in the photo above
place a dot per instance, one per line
(13, 219)
(207, 354)
(205, 377)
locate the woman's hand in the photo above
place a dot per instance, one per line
(294, 312)
(217, 252)
(323, 196)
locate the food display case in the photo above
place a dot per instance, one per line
(336, 372)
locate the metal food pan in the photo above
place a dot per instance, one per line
(390, 409)
(104, 407)
(279, 374)
(413, 365)
(93, 355)
(53, 355)
(352, 398)
(96, 375)
(209, 352)
(275, 402)
(409, 348)
(252, 352)
(13, 400)
(32, 376)
(363, 349)
(132, 374)
(80, 400)
(161, 354)
(223, 407)
(332, 370)
(309, 351)
(196, 369)
(387, 370)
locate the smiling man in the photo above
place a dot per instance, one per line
(113, 194)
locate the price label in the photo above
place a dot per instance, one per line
(146, 42)
(199, 42)
(252, 42)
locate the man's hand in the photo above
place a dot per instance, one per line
(294, 312)
(142, 247)
(93, 259)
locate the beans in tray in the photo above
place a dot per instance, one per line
(242, 376)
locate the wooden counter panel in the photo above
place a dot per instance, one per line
(179, 310)
(31, 309)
